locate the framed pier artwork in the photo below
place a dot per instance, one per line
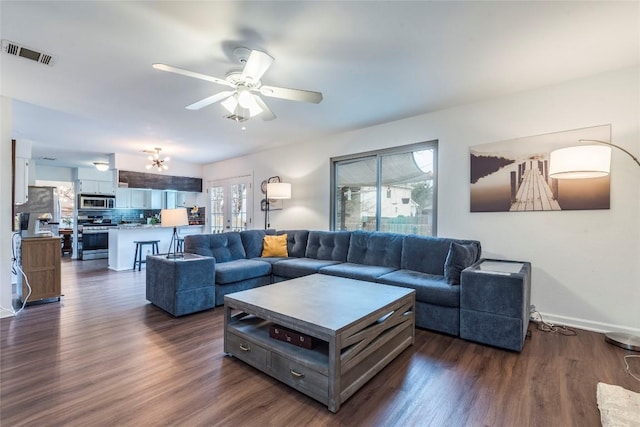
(513, 175)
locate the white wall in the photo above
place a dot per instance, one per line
(586, 264)
(6, 220)
(53, 173)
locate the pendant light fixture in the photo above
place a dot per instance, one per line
(157, 162)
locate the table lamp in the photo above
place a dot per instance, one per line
(174, 218)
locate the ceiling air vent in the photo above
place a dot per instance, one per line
(17, 50)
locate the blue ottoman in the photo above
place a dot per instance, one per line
(181, 285)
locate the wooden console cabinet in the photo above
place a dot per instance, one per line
(41, 264)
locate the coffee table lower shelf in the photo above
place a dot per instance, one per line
(338, 365)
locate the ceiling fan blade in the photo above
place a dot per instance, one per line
(256, 65)
(210, 100)
(181, 71)
(266, 114)
(291, 94)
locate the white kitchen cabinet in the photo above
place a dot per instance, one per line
(140, 198)
(191, 199)
(107, 187)
(93, 181)
(170, 199)
(21, 189)
(134, 198)
(89, 186)
(123, 198)
(181, 199)
(157, 201)
(188, 199)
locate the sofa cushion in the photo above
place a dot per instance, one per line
(432, 289)
(223, 247)
(376, 249)
(298, 267)
(272, 259)
(296, 242)
(356, 271)
(275, 246)
(252, 241)
(328, 245)
(428, 254)
(458, 258)
(240, 269)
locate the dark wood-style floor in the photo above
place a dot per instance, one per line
(105, 356)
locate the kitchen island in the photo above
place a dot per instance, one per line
(121, 238)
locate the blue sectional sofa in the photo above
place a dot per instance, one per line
(430, 265)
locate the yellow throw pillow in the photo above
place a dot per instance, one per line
(275, 246)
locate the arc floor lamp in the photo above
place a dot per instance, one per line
(174, 218)
(591, 160)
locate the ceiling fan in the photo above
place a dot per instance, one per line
(243, 101)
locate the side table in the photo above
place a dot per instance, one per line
(494, 303)
(181, 285)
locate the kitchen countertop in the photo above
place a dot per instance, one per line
(122, 247)
(137, 226)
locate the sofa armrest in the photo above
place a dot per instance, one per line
(494, 302)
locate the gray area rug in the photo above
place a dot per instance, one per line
(618, 406)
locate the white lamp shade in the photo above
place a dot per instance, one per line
(585, 161)
(230, 104)
(279, 190)
(174, 217)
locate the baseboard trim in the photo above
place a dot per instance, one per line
(588, 324)
(4, 314)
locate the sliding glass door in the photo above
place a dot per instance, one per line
(391, 190)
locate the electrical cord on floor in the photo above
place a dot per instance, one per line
(628, 369)
(14, 269)
(545, 326)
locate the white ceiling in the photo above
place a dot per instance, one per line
(374, 62)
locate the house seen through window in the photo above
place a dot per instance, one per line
(392, 190)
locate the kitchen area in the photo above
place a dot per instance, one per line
(110, 218)
(93, 223)
(101, 201)
(63, 213)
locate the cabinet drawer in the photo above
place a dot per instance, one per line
(300, 377)
(247, 351)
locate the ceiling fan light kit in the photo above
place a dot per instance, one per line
(243, 101)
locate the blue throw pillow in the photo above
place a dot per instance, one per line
(459, 257)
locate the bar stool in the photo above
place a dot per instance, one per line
(140, 244)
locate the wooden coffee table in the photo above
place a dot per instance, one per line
(358, 328)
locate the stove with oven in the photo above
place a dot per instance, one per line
(93, 237)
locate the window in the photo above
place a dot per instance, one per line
(391, 190)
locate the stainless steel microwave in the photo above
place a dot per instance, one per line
(96, 202)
